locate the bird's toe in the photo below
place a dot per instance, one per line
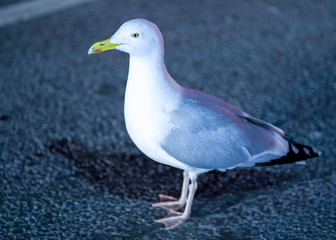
(172, 222)
(166, 198)
(176, 205)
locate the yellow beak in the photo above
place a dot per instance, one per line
(103, 46)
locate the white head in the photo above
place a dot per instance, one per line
(137, 37)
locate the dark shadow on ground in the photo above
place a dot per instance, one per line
(136, 176)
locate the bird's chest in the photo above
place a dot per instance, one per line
(146, 119)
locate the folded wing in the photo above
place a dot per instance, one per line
(212, 134)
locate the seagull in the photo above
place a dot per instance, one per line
(186, 128)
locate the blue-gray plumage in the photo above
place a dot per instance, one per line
(211, 134)
(186, 128)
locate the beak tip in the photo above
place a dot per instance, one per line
(91, 51)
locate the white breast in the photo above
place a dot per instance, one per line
(148, 102)
(146, 121)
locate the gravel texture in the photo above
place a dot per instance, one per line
(70, 171)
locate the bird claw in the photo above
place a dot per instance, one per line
(171, 205)
(173, 213)
(166, 198)
(168, 203)
(172, 222)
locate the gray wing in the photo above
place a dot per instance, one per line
(210, 133)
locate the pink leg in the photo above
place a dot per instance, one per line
(171, 203)
(175, 219)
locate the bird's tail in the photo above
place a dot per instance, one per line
(297, 152)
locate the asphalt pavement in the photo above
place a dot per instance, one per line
(69, 169)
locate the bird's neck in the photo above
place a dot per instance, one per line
(150, 76)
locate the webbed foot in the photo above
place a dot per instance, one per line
(169, 203)
(172, 222)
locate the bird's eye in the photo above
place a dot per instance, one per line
(135, 35)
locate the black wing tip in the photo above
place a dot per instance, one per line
(304, 151)
(297, 152)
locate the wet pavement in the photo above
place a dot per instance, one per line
(70, 171)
